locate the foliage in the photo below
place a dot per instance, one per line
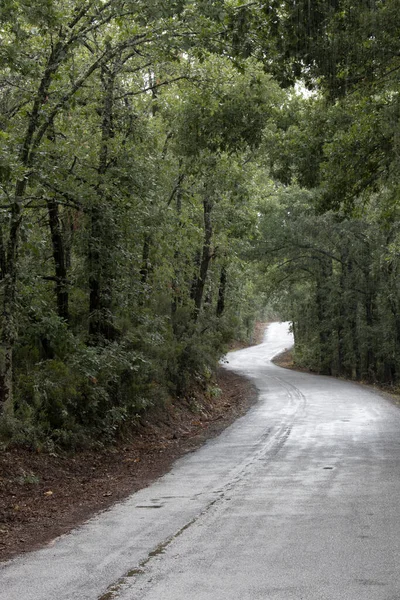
(160, 184)
(336, 279)
(124, 210)
(330, 249)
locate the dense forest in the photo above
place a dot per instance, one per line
(170, 169)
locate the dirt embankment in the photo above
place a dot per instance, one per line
(286, 360)
(43, 496)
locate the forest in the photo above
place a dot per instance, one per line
(172, 170)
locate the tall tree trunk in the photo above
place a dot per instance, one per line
(9, 325)
(370, 309)
(391, 363)
(100, 278)
(221, 292)
(60, 262)
(342, 314)
(3, 257)
(353, 335)
(196, 265)
(205, 258)
(175, 285)
(322, 299)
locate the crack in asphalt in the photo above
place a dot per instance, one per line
(115, 588)
(271, 444)
(296, 500)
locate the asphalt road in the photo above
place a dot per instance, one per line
(299, 499)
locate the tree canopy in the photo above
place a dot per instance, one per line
(166, 169)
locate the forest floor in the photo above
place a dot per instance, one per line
(43, 496)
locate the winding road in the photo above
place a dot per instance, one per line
(299, 499)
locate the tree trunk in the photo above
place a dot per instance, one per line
(342, 313)
(221, 293)
(175, 282)
(100, 277)
(370, 367)
(9, 326)
(193, 283)
(3, 261)
(60, 262)
(351, 308)
(205, 258)
(322, 299)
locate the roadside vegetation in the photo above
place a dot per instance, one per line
(331, 236)
(169, 168)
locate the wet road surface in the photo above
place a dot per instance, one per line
(299, 499)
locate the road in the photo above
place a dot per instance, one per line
(299, 499)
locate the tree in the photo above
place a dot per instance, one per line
(123, 222)
(51, 53)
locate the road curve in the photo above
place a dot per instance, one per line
(299, 499)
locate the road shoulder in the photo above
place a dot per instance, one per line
(43, 496)
(392, 395)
